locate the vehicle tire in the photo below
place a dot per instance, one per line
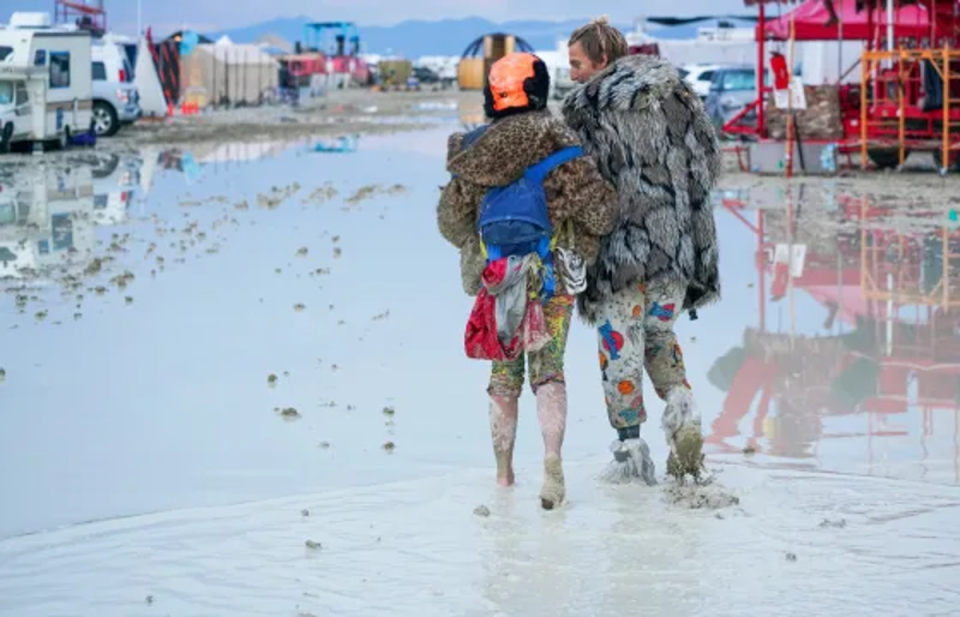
(885, 159)
(105, 121)
(5, 138)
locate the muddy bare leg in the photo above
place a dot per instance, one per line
(552, 415)
(503, 430)
(547, 381)
(506, 383)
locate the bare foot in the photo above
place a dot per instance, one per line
(505, 480)
(553, 491)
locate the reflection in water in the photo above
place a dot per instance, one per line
(888, 344)
(46, 223)
(336, 145)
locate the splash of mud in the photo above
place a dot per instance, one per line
(700, 496)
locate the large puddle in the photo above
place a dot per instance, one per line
(184, 330)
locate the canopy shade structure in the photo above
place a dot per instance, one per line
(812, 22)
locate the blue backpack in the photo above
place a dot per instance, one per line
(514, 219)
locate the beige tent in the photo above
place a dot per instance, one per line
(227, 73)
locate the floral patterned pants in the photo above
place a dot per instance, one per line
(636, 333)
(546, 364)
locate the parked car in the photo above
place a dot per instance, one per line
(699, 76)
(731, 89)
(561, 84)
(116, 101)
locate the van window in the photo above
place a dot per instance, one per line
(22, 97)
(99, 71)
(60, 69)
(6, 92)
(5, 52)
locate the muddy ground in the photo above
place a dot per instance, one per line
(362, 112)
(240, 308)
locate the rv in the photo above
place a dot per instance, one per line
(45, 81)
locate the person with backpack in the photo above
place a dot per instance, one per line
(527, 210)
(652, 139)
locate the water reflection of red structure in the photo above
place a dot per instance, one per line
(892, 303)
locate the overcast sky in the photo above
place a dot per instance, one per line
(167, 15)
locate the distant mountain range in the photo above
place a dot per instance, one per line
(449, 37)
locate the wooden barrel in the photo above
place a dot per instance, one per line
(472, 73)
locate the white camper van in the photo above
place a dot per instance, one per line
(45, 81)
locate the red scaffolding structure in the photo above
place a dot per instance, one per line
(909, 92)
(896, 292)
(87, 14)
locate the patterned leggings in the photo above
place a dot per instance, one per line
(636, 332)
(546, 364)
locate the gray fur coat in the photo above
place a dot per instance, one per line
(651, 139)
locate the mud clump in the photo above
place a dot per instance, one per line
(791, 557)
(699, 497)
(481, 511)
(289, 413)
(3, 375)
(749, 451)
(838, 524)
(389, 411)
(304, 513)
(321, 195)
(313, 546)
(389, 446)
(277, 196)
(272, 380)
(299, 307)
(94, 267)
(303, 251)
(372, 190)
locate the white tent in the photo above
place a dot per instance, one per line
(152, 101)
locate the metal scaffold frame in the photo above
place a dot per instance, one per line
(892, 123)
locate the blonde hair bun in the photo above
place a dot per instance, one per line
(603, 20)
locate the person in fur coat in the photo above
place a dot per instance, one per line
(651, 138)
(581, 207)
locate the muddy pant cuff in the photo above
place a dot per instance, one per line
(556, 377)
(630, 432)
(502, 391)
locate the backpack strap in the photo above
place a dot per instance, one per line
(538, 172)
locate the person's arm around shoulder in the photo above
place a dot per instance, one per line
(456, 212)
(594, 200)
